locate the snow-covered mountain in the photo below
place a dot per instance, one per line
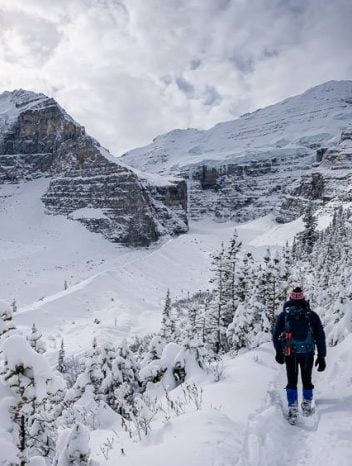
(39, 139)
(273, 159)
(157, 399)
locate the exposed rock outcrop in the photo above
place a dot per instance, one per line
(329, 179)
(274, 160)
(87, 184)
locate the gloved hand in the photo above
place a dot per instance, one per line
(320, 362)
(279, 358)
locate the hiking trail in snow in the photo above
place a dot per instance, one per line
(242, 421)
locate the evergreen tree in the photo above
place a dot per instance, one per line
(218, 305)
(6, 315)
(36, 340)
(231, 265)
(14, 306)
(32, 382)
(168, 326)
(239, 331)
(309, 235)
(73, 447)
(274, 288)
(61, 364)
(245, 279)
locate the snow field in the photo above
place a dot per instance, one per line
(121, 290)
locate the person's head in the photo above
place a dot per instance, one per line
(297, 293)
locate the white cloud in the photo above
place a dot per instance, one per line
(129, 70)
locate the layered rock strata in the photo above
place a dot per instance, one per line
(87, 184)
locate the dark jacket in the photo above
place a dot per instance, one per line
(315, 322)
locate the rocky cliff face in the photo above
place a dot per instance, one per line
(38, 138)
(273, 160)
(328, 180)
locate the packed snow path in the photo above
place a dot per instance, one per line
(242, 421)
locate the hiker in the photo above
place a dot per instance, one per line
(297, 331)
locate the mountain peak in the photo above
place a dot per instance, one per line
(270, 160)
(314, 117)
(20, 98)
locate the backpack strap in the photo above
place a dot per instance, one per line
(308, 313)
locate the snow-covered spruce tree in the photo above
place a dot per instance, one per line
(6, 315)
(231, 273)
(168, 325)
(36, 340)
(269, 292)
(286, 265)
(152, 369)
(239, 331)
(327, 275)
(110, 376)
(202, 318)
(218, 308)
(124, 371)
(32, 382)
(43, 424)
(87, 384)
(14, 306)
(73, 447)
(245, 278)
(309, 235)
(275, 289)
(61, 365)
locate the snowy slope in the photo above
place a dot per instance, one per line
(316, 116)
(242, 421)
(124, 289)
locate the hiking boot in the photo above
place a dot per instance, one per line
(292, 415)
(307, 408)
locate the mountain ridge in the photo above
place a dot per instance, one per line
(39, 139)
(331, 91)
(270, 160)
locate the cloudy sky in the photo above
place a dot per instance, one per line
(132, 69)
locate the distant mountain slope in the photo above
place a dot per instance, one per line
(39, 139)
(306, 120)
(247, 167)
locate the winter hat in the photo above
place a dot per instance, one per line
(297, 293)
